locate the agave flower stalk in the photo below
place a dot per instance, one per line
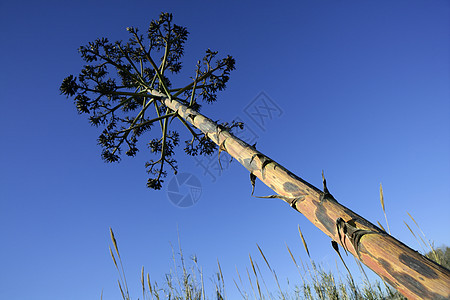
(124, 88)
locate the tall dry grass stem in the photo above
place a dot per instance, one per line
(384, 210)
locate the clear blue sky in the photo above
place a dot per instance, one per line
(364, 89)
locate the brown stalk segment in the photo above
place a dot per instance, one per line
(414, 275)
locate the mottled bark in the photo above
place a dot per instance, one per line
(414, 275)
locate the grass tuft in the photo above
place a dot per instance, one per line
(314, 283)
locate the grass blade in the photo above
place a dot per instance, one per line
(114, 242)
(304, 242)
(271, 270)
(256, 277)
(384, 210)
(381, 226)
(221, 278)
(143, 283)
(121, 271)
(262, 254)
(436, 258)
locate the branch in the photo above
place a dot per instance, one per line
(149, 122)
(114, 64)
(125, 54)
(124, 137)
(166, 90)
(204, 76)
(163, 146)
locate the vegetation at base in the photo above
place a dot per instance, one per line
(441, 256)
(186, 280)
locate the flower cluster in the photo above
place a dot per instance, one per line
(114, 86)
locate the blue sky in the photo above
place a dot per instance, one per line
(363, 89)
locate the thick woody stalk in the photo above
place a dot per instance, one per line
(414, 275)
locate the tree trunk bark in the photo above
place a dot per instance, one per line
(411, 273)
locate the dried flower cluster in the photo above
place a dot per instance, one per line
(113, 89)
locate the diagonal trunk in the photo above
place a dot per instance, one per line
(414, 275)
